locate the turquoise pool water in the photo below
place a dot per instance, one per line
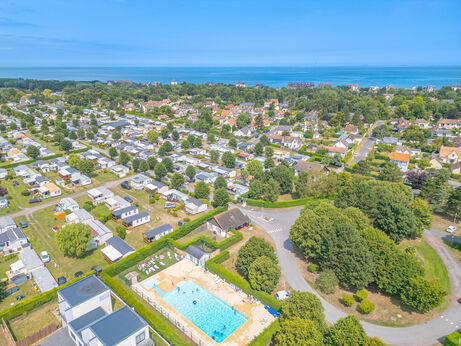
(149, 283)
(213, 316)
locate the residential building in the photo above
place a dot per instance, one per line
(197, 255)
(157, 232)
(194, 206)
(140, 181)
(116, 202)
(99, 194)
(120, 170)
(125, 212)
(401, 159)
(67, 203)
(450, 154)
(136, 219)
(116, 248)
(79, 216)
(231, 219)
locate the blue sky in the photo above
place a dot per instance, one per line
(230, 33)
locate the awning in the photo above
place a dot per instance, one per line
(111, 253)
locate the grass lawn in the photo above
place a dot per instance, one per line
(49, 145)
(34, 320)
(16, 201)
(103, 176)
(41, 237)
(455, 248)
(26, 288)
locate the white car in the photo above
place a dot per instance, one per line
(44, 256)
(451, 229)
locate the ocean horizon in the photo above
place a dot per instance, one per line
(277, 77)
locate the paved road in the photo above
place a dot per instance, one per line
(444, 235)
(277, 223)
(363, 152)
(43, 205)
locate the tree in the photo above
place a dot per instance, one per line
(454, 202)
(86, 167)
(254, 248)
(259, 148)
(168, 164)
(327, 281)
(124, 158)
(201, 190)
(66, 145)
(177, 180)
(220, 182)
(269, 152)
(422, 294)
(263, 274)
(297, 331)
(390, 172)
(160, 171)
(211, 138)
(417, 178)
(175, 135)
(143, 166)
(32, 151)
(185, 145)
(362, 167)
(74, 160)
(197, 142)
(135, 163)
(113, 152)
(190, 172)
(3, 191)
(228, 159)
(214, 156)
(233, 143)
(367, 306)
(423, 215)
(116, 135)
(151, 161)
(73, 240)
(255, 168)
(271, 190)
(221, 197)
(304, 305)
(284, 176)
(347, 331)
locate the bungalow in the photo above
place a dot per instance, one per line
(450, 154)
(67, 173)
(225, 172)
(136, 219)
(222, 223)
(246, 156)
(243, 132)
(30, 264)
(116, 248)
(99, 231)
(41, 165)
(449, 124)
(78, 216)
(174, 195)
(105, 163)
(80, 179)
(67, 203)
(197, 255)
(123, 213)
(116, 202)
(12, 240)
(49, 190)
(156, 187)
(100, 194)
(435, 161)
(401, 159)
(120, 170)
(195, 206)
(140, 181)
(208, 178)
(157, 232)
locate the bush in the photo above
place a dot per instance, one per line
(121, 232)
(348, 300)
(452, 339)
(151, 200)
(88, 206)
(186, 219)
(25, 193)
(312, 268)
(266, 336)
(366, 306)
(361, 295)
(327, 281)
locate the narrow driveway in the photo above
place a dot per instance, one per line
(277, 223)
(43, 205)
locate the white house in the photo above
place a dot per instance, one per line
(197, 255)
(123, 213)
(140, 181)
(116, 248)
(79, 216)
(136, 219)
(157, 232)
(120, 170)
(195, 206)
(99, 231)
(100, 194)
(68, 203)
(401, 159)
(116, 202)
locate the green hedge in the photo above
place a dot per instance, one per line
(266, 336)
(228, 242)
(36, 301)
(452, 339)
(160, 323)
(214, 267)
(285, 204)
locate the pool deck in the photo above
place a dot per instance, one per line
(258, 317)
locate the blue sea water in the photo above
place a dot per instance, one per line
(400, 77)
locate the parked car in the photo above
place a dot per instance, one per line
(61, 280)
(15, 182)
(23, 224)
(78, 274)
(282, 295)
(169, 205)
(44, 256)
(128, 199)
(34, 200)
(451, 229)
(125, 185)
(20, 297)
(97, 269)
(181, 222)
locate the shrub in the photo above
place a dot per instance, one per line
(121, 232)
(366, 306)
(348, 300)
(157, 196)
(25, 193)
(88, 206)
(327, 281)
(186, 219)
(312, 268)
(452, 339)
(151, 200)
(361, 295)
(263, 274)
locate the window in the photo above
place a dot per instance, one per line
(140, 337)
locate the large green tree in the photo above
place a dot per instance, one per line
(298, 331)
(254, 248)
(73, 240)
(348, 332)
(263, 274)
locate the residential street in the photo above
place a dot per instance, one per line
(277, 223)
(43, 205)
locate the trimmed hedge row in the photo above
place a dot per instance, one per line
(265, 337)
(452, 339)
(36, 301)
(214, 267)
(285, 204)
(160, 326)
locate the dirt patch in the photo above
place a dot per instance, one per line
(441, 223)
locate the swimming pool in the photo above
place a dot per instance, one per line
(213, 316)
(149, 283)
